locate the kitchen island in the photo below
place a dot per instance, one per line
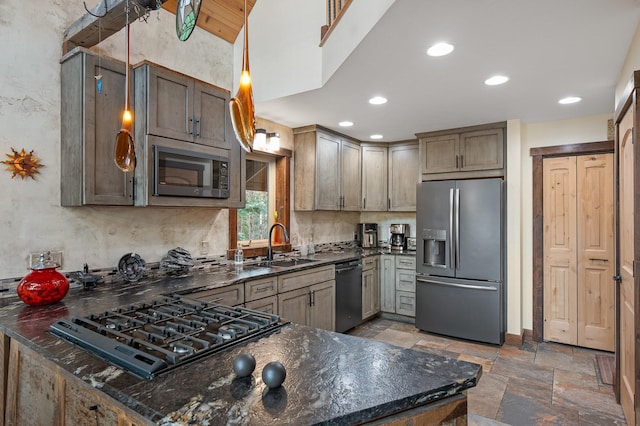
(331, 378)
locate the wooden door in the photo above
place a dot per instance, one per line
(210, 111)
(481, 150)
(439, 154)
(350, 176)
(560, 257)
(322, 312)
(294, 305)
(327, 173)
(170, 103)
(595, 251)
(374, 178)
(403, 177)
(628, 343)
(387, 283)
(368, 293)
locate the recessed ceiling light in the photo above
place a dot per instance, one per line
(345, 123)
(440, 49)
(378, 100)
(376, 136)
(569, 100)
(495, 80)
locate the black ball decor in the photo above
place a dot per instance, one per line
(244, 364)
(273, 374)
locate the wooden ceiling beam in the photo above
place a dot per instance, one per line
(110, 16)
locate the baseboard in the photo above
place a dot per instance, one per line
(514, 339)
(519, 339)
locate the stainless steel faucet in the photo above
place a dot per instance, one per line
(286, 238)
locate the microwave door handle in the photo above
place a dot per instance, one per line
(450, 239)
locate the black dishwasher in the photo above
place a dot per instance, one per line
(348, 295)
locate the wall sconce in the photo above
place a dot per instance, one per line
(268, 142)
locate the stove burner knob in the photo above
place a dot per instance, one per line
(244, 364)
(273, 374)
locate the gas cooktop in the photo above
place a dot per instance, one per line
(147, 339)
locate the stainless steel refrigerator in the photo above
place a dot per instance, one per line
(460, 267)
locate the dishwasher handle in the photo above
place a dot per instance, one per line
(345, 267)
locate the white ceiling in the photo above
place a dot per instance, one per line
(549, 49)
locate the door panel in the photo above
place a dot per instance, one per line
(560, 258)
(626, 259)
(479, 234)
(595, 251)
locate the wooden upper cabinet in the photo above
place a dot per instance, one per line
(482, 150)
(327, 171)
(374, 178)
(90, 121)
(469, 152)
(403, 177)
(180, 107)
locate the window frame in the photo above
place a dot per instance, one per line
(282, 206)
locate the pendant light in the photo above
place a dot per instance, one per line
(241, 106)
(125, 152)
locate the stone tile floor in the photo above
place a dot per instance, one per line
(537, 384)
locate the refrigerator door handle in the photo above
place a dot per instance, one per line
(467, 286)
(452, 254)
(457, 228)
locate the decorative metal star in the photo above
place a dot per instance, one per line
(22, 164)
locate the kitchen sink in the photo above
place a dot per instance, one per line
(285, 262)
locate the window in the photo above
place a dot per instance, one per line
(258, 215)
(278, 188)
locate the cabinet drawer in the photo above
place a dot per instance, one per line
(268, 305)
(369, 262)
(296, 280)
(406, 303)
(405, 280)
(258, 289)
(406, 262)
(230, 295)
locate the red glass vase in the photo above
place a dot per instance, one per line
(43, 285)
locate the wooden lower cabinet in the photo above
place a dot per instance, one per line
(313, 305)
(38, 392)
(231, 295)
(388, 283)
(267, 304)
(370, 287)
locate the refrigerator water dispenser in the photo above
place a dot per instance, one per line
(434, 242)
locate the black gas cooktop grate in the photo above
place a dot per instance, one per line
(151, 338)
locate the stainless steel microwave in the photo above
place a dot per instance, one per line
(186, 173)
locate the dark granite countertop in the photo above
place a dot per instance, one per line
(331, 378)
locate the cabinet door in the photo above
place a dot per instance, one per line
(268, 305)
(294, 305)
(350, 176)
(406, 303)
(374, 178)
(170, 104)
(367, 293)
(376, 287)
(327, 172)
(231, 295)
(81, 408)
(439, 154)
(322, 312)
(211, 106)
(90, 121)
(388, 283)
(482, 150)
(403, 177)
(405, 280)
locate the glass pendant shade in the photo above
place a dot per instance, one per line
(241, 106)
(125, 150)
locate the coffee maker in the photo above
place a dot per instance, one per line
(398, 236)
(368, 235)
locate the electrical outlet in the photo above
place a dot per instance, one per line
(56, 257)
(204, 247)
